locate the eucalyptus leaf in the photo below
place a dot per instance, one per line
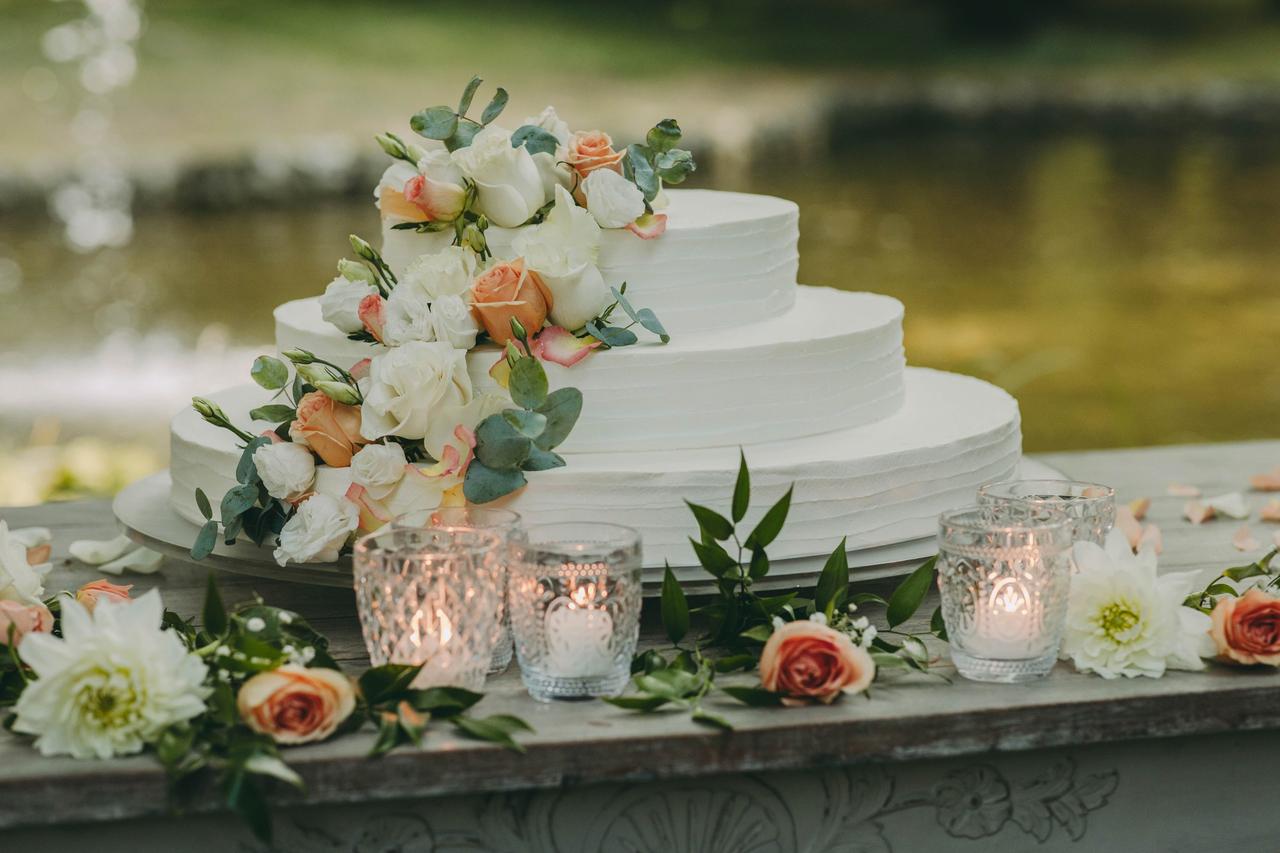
(768, 528)
(612, 336)
(237, 500)
(469, 93)
(269, 372)
(674, 166)
(484, 484)
(675, 607)
(534, 138)
(624, 303)
(663, 135)
(206, 539)
(495, 106)
(642, 171)
(562, 408)
(711, 522)
(528, 383)
(274, 412)
(246, 471)
(541, 460)
(499, 445)
(906, 599)
(741, 489)
(202, 504)
(461, 138)
(435, 122)
(529, 424)
(650, 321)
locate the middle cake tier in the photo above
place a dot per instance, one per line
(835, 360)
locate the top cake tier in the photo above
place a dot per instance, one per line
(726, 259)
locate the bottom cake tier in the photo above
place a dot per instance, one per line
(878, 484)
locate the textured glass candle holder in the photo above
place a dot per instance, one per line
(503, 522)
(1090, 506)
(574, 597)
(430, 596)
(1004, 593)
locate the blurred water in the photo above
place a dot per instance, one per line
(1125, 289)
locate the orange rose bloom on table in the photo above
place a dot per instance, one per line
(806, 661)
(293, 704)
(329, 428)
(101, 590)
(593, 149)
(506, 290)
(1247, 629)
(18, 619)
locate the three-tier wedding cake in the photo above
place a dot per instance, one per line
(443, 368)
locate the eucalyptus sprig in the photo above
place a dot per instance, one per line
(1224, 584)
(657, 161)
(621, 336)
(452, 126)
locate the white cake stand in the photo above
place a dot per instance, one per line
(143, 509)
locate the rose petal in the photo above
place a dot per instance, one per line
(31, 537)
(373, 314)
(95, 552)
(561, 346)
(360, 370)
(1178, 490)
(1197, 513)
(1127, 523)
(143, 561)
(373, 514)
(1265, 482)
(1244, 540)
(501, 371)
(649, 226)
(1151, 538)
(1271, 511)
(1140, 507)
(39, 555)
(1232, 504)
(453, 496)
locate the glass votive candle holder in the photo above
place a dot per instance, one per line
(1004, 592)
(430, 596)
(503, 522)
(574, 596)
(1091, 507)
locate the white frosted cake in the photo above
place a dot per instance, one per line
(809, 382)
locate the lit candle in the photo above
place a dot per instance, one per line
(1008, 621)
(427, 640)
(579, 631)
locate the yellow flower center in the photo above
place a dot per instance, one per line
(1117, 619)
(108, 699)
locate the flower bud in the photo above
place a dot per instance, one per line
(517, 329)
(339, 392)
(209, 411)
(390, 144)
(314, 374)
(299, 356)
(416, 152)
(362, 248)
(473, 238)
(355, 271)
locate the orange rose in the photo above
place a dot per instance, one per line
(329, 428)
(294, 704)
(101, 590)
(1247, 629)
(593, 149)
(508, 289)
(21, 619)
(807, 660)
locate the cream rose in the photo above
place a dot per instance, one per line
(288, 470)
(448, 272)
(563, 251)
(18, 619)
(340, 304)
(806, 660)
(19, 580)
(452, 321)
(508, 186)
(418, 390)
(378, 467)
(407, 317)
(317, 530)
(292, 704)
(614, 201)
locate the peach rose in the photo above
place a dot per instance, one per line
(101, 590)
(22, 619)
(1247, 629)
(294, 704)
(593, 149)
(508, 289)
(329, 428)
(807, 660)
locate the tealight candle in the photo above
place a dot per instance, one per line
(578, 636)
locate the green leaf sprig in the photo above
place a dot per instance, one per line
(452, 126)
(1225, 583)
(621, 336)
(657, 161)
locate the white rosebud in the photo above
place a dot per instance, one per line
(288, 470)
(563, 251)
(452, 321)
(614, 201)
(508, 185)
(378, 467)
(317, 530)
(340, 304)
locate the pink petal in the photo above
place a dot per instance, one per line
(1140, 507)
(1128, 524)
(1266, 482)
(1243, 540)
(271, 434)
(648, 226)
(1271, 511)
(1151, 537)
(360, 370)
(468, 437)
(561, 346)
(447, 465)
(372, 512)
(1179, 490)
(1197, 513)
(373, 313)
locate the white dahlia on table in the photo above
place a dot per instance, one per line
(1123, 618)
(111, 683)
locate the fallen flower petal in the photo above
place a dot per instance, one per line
(648, 226)
(143, 561)
(1140, 507)
(1127, 523)
(1179, 490)
(1271, 511)
(1244, 540)
(1265, 482)
(559, 345)
(1151, 538)
(1197, 513)
(95, 552)
(1232, 504)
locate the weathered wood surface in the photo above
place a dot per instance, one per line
(580, 743)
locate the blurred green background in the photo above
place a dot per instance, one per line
(1079, 201)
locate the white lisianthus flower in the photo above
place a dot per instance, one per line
(452, 320)
(378, 467)
(448, 272)
(19, 580)
(550, 121)
(614, 201)
(508, 185)
(408, 317)
(1123, 618)
(317, 531)
(563, 251)
(288, 470)
(111, 683)
(418, 390)
(340, 304)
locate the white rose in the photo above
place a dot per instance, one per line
(555, 172)
(550, 121)
(317, 531)
(340, 304)
(418, 390)
(614, 201)
(452, 321)
(437, 164)
(448, 272)
(563, 251)
(19, 580)
(408, 317)
(393, 178)
(286, 469)
(508, 184)
(378, 467)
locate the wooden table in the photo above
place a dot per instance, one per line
(1180, 763)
